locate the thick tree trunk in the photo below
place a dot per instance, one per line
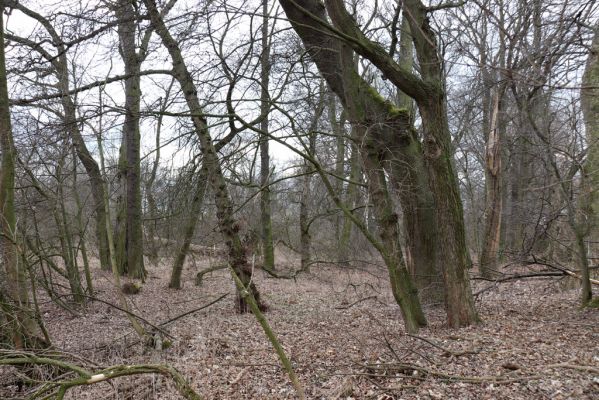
(133, 262)
(228, 226)
(589, 98)
(404, 290)
(377, 123)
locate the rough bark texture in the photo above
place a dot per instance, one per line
(429, 93)
(377, 124)
(227, 224)
(589, 98)
(133, 262)
(494, 195)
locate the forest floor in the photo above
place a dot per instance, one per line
(344, 334)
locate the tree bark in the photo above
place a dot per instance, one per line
(133, 262)
(228, 225)
(493, 186)
(377, 123)
(15, 307)
(589, 98)
(268, 252)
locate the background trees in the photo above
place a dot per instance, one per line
(440, 141)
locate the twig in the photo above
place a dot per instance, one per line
(194, 310)
(582, 368)
(445, 350)
(498, 379)
(355, 302)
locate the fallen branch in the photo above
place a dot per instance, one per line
(402, 368)
(251, 301)
(354, 303)
(446, 352)
(59, 389)
(582, 368)
(194, 310)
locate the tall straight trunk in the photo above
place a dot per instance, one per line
(16, 310)
(189, 229)
(133, 262)
(351, 199)
(80, 226)
(589, 98)
(337, 128)
(268, 252)
(66, 240)
(228, 225)
(152, 242)
(493, 186)
(305, 196)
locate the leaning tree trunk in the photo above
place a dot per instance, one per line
(228, 225)
(376, 123)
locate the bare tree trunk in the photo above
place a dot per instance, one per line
(589, 98)
(338, 130)
(151, 241)
(133, 261)
(305, 196)
(188, 231)
(351, 199)
(268, 252)
(494, 195)
(15, 307)
(228, 225)
(60, 64)
(376, 123)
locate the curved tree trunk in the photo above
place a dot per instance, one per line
(376, 123)
(228, 225)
